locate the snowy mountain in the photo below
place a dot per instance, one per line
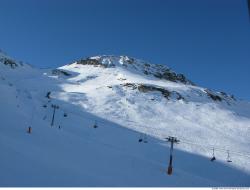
(112, 117)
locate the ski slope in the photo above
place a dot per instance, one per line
(127, 99)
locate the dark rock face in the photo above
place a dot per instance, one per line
(9, 62)
(178, 95)
(147, 88)
(93, 62)
(60, 72)
(181, 78)
(213, 96)
(232, 96)
(171, 76)
(144, 88)
(130, 85)
(130, 61)
(227, 96)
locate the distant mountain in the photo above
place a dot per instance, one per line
(112, 115)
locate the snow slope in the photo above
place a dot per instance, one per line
(127, 99)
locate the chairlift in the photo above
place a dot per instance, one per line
(213, 157)
(228, 157)
(95, 125)
(29, 130)
(145, 138)
(140, 138)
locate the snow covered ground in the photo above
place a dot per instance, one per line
(127, 100)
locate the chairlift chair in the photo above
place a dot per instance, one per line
(228, 157)
(213, 157)
(95, 125)
(140, 138)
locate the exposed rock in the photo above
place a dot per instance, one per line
(170, 76)
(232, 96)
(178, 95)
(130, 60)
(60, 72)
(181, 78)
(147, 88)
(213, 96)
(9, 62)
(225, 95)
(158, 75)
(131, 85)
(89, 61)
(121, 79)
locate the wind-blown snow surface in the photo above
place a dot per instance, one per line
(128, 100)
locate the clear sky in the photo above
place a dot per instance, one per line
(207, 40)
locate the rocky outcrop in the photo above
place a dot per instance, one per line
(156, 70)
(8, 62)
(89, 61)
(213, 96)
(172, 76)
(59, 72)
(145, 88)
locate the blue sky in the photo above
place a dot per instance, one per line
(207, 40)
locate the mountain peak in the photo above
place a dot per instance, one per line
(110, 60)
(135, 65)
